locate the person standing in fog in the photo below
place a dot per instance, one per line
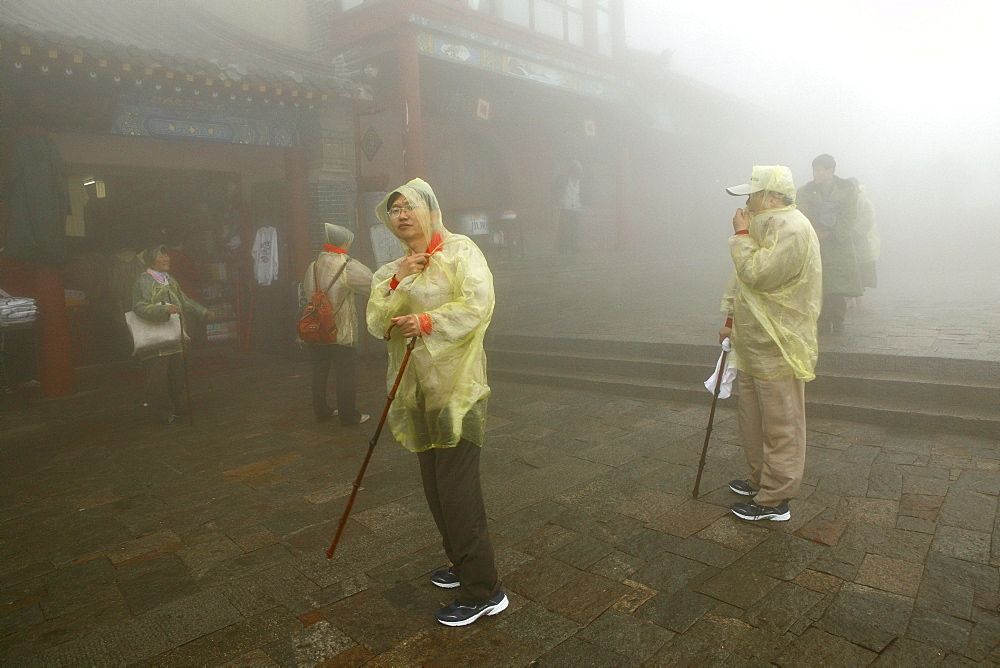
(772, 303)
(441, 292)
(867, 244)
(570, 206)
(831, 205)
(155, 297)
(355, 278)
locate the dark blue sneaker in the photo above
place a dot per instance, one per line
(749, 510)
(446, 579)
(742, 487)
(460, 615)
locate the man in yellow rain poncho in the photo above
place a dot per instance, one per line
(772, 302)
(441, 291)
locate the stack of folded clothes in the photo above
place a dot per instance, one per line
(17, 309)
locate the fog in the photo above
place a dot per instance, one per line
(905, 96)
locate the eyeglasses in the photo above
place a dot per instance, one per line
(395, 211)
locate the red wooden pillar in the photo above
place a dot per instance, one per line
(413, 141)
(55, 358)
(297, 203)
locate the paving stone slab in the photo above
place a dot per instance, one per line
(575, 653)
(671, 573)
(647, 544)
(371, 620)
(234, 641)
(822, 531)
(625, 634)
(309, 646)
(686, 652)
(159, 582)
(984, 641)
(677, 611)
(968, 509)
(486, 647)
(738, 587)
(585, 597)
(963, 544)
(820, 649)
(867, 617)
(950, 570)
(816, 581)
(582, 551)
(415, 649)
(689, 518)
(940, 630)
(904, 652)
(734, 534)
(781, 607)
(536, 626)
(617, 565)
(540, 577)
(739, 637)
(780, 556)
(892, 575)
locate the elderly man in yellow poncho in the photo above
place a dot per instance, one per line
(772, 302)
(441, 291)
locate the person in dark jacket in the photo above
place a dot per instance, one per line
(831, 205)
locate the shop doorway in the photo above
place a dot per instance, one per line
(119, 211)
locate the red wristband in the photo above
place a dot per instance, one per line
(425, 323)
(393, 284)
(729, 322)
(743, 232)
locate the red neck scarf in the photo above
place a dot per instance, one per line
(436, 242)
(330, 248)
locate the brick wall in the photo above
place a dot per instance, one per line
(332, 193)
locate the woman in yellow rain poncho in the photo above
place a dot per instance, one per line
(441, 291)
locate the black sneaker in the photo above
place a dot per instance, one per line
(457, 614)
(742, 487)
(446, 579)
(748, 510)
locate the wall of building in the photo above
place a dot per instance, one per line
(252, 163)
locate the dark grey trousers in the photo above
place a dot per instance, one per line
(455, 497)
(165, 383)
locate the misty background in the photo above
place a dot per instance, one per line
(905, 96)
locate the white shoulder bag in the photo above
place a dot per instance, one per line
(147, 335)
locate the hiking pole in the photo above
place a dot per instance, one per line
(371, 443)
(184, 362)
(711, 419)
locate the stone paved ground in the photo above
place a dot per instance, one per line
(123, 542)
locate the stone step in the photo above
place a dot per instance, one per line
(917, 392)
(903, 367)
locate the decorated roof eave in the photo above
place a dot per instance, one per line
(48, 51)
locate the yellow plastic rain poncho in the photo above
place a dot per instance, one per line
(775, 293)
(442, 395)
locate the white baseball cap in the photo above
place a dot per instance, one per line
(774, 178)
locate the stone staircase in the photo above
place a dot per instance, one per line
(954, 395)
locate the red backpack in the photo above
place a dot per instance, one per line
(317, 324)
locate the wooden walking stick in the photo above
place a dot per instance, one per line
(711, 419)
(184, 362)
(373, 442)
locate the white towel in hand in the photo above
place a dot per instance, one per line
(728, 375)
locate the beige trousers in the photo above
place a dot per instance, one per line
(772, 417)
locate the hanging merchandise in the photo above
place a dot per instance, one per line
(37, 201)
(265, 255)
